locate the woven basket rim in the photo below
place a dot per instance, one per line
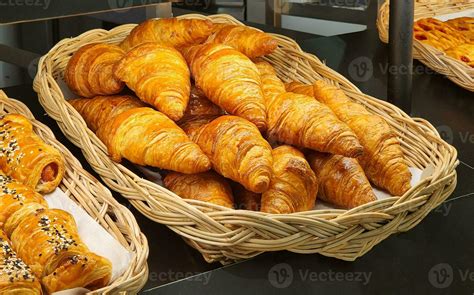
(208, 217)
(457, 71)
(130, 235)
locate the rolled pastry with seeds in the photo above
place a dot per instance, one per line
(26, 158)
(15, 276)
(48, 241)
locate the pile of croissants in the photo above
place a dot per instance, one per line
(214, 115)
(39, 247)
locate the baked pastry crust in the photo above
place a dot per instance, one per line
(26, 158)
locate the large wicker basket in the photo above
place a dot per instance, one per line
(457, 71)
(98, 202)
(224, 235)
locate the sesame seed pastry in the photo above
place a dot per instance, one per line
(14, 195)
(26, 158)
(48, 241)
(15, 276)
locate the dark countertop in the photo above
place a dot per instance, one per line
(404, 263)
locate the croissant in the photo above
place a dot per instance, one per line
(249, 41)
(237, 151)
(89, 72)
(49, 243)
(342, 181)
(26, 158)
(302, 121)
(294, 185)
(159, 76)
(15, 276)
(207, 187)
(383, 160)
(229, 79)
(14, 195)
(98, 110)
(147, 137)
(170, 32)
(200, 105)
(245, 199)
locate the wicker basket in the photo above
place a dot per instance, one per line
(457, 71)
(225, 235)
(98, 202)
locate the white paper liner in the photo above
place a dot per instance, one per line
(94, 236)
(445, 17)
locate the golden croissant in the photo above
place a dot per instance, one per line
(249, 41)
(170, 32)
(26, 158)
(229, 79)
(90, 71)
(48, 241)
(14, 195)
(200, 105)
(143, 136)
(245, 199)
(207, 187)
(15, 276)
(294, 185)
(237, 151)
(98, 110)
(383, 160)
(302, 121)
(159, 76)
(342, 181)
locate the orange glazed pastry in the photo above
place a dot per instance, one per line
(383, 160)
(302, 121)
(465, 25)
(229, 79)
(249, 41)
(245, 199)
(14, 195)
(49, 243)
(342, 181)
(159, 76)
(200, 105)
(26, 158)
(294, 185)
(464, 52)
(89, 72)
(237, 151)
(207, 187)
(170, 32)
(98, 110)
(437, 34)
(15, 276)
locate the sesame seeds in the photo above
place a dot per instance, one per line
(9, 146)
(59, 237)
(13, 266)
(5, 190)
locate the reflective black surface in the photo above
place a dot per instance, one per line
(435, 257)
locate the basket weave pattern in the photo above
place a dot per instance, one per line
(224, 235)
(98, 202)
(457, 71)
